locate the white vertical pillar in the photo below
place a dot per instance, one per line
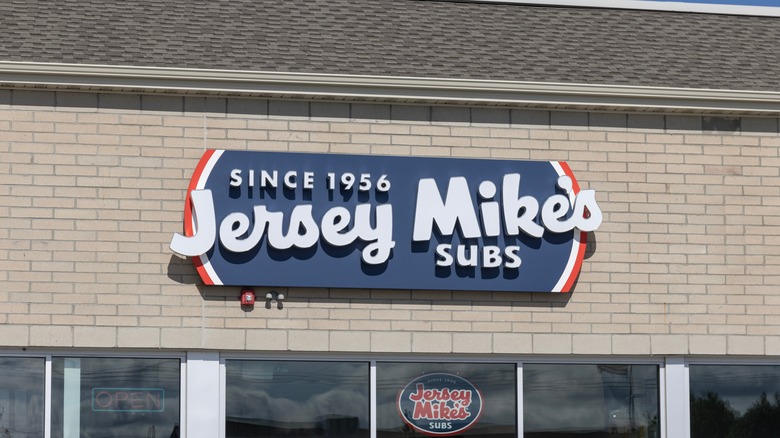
(675, 402)
(71, 410)
(202, 407)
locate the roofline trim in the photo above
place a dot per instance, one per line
(82, 77)
(662, 6)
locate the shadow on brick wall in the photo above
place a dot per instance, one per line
(591, 245)
(182, 271)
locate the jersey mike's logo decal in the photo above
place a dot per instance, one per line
(440, 404)
(311, 220)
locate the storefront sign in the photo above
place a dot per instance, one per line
(308, 220)
(128, 399)
(440, 404)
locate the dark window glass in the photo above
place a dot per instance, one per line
(296, 399)
(115, 397)
(735, 401)
(21, 397)
(594, 401)
(494, 417)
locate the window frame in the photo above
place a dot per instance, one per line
(48, 357)
(674, 378)
(517, 361)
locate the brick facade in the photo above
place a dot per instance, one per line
(92, 186)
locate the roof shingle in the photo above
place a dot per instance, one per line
(412, 38)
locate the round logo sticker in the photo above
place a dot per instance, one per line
(440, 404)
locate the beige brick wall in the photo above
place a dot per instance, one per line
(687, 260)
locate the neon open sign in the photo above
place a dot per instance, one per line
(128, 399)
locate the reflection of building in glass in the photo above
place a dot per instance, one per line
(291, 398)
(21, 397)
(600, 400)
(626, 397)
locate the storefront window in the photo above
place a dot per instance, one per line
(115, 397)
(734, 401)
(21, 397)
(597, 401)
(446, 399)
(296, 399)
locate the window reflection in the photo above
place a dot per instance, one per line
(495, 382)
(115, 397)
(592, 401)
(21, 397)
(734, 401)
(296, 399)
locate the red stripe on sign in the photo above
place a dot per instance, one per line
(188, 228)
(570, 174)
(575, 272)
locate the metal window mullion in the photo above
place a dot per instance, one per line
(47, 397)
(662, 401)
(183, 396)
(222, 397)
(372, 398)
(519, 390)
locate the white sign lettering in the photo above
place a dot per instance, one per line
(302, 231)
(340, 227)
(520, 213)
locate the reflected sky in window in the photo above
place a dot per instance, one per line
(296, 398)
(738, 385)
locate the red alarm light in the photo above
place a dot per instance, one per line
(247, 297)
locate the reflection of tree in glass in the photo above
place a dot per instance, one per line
(711, 417)
(761, 420)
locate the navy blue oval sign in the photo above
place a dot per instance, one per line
(310, 220)
(440, 404)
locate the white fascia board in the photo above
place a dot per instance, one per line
(383, 88)
(663, 6)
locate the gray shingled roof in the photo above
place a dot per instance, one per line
(417, 38)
